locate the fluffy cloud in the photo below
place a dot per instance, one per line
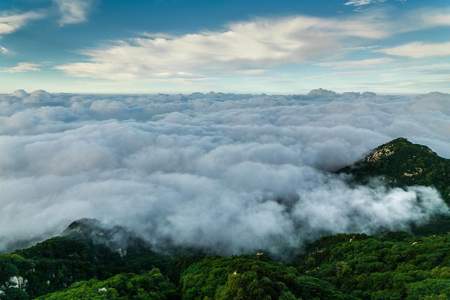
(22, 67)
(234, 172)
(73, 11)
(419, 50)
(11, 22)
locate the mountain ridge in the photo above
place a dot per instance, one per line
(401, 163)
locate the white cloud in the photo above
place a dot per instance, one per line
(4, 50)
(240, 47)
(438, 18)
(362, 3)
(11, 22)
(419, 50)
(429, 18)
(251, 48)
(22, 67)
(362, 63)
(73, 11)
(206, 169)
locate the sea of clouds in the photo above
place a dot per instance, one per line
(231, 172)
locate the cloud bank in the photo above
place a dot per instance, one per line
(232, 172)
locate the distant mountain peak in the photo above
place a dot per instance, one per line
(20, 93)
(400, 147)
(85, 227)
(117, 238)
(322, 93)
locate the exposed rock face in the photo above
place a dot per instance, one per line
(417, 172)
(17, 282)
(381, 153)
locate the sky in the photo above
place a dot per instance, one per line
(181, 46)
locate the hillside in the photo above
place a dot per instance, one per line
(151, 285)
(402, 163)
(396, 266)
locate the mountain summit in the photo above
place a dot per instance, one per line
(402, 163)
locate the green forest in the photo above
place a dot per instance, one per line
(388, 265)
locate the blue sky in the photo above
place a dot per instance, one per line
(147, 46)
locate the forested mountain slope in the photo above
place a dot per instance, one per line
(402, 163)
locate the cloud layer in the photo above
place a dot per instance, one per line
(233, 172)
